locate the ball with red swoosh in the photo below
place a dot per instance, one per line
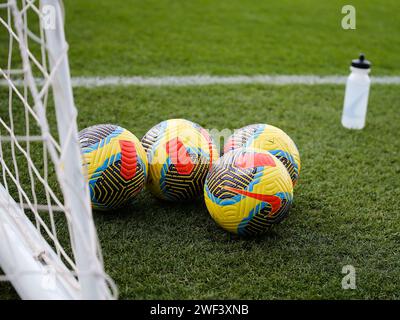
(247, 191)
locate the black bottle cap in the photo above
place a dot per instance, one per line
(361, 63)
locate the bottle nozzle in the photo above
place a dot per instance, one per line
(361, 63)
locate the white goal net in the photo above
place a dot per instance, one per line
(48, 242)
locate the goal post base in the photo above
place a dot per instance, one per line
(30, 274)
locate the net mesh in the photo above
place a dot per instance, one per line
(31, 154)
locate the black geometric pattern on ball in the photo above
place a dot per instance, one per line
(289, 167)
(231, 176)
(184, 187)
(112, 190)
(94, 134)
(263, 220)
(151, 137)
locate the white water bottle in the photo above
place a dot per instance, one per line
(356, 95)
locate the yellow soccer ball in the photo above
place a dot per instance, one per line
(269, 138)
(247, 191)
(180, 154)
(116, 165)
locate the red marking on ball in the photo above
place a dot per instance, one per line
(128, 159)
(179, 156)
(251, 160)
(273, 200)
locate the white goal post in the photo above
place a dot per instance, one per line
(48, 242)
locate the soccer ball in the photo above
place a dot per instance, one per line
(269, 138)
(180, 154)
(116, 165)
(247, 191)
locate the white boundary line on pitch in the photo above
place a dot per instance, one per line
(203, 80)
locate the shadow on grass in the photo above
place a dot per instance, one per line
(183, 222)
(144, 206)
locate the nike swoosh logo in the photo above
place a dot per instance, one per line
(274, 201)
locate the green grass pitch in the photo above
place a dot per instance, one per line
(346, 208)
